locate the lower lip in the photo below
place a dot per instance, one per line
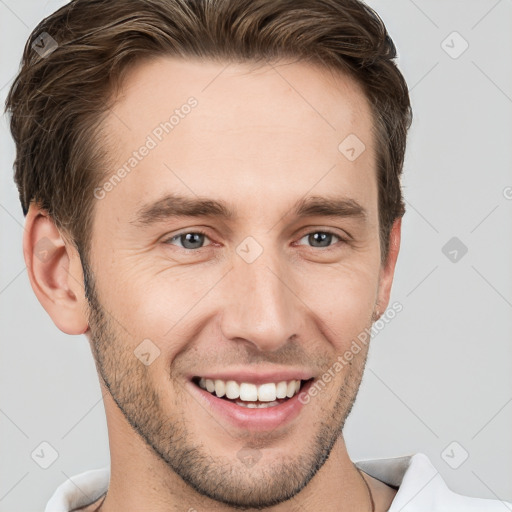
(268, 418)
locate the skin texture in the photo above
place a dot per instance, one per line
(260, 138)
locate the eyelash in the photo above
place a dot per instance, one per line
(200, 232)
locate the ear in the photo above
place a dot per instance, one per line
(55, 272)
(387, 271)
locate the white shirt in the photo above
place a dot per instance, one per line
(420, 488)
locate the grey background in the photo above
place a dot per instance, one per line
(440, 372)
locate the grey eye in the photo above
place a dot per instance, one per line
(190, 240)
(322, 238)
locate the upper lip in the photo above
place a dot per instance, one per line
(252, 376)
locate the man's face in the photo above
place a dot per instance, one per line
(265, 290)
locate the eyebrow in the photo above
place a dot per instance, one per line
(176, 206)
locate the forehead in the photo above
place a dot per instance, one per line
(257, 135)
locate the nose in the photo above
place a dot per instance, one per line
(260, 305)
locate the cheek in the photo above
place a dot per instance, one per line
(343, 301)
(155, 306)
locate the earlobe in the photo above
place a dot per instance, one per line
(388, 268)
(55, 272)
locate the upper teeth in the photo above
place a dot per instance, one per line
(250, 392)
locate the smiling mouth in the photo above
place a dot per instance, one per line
(249, 395)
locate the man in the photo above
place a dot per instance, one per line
(215, 187)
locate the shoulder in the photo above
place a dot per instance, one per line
(80, 492)
(424, 486)
(421, 487)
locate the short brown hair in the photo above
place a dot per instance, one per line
(58, 99)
